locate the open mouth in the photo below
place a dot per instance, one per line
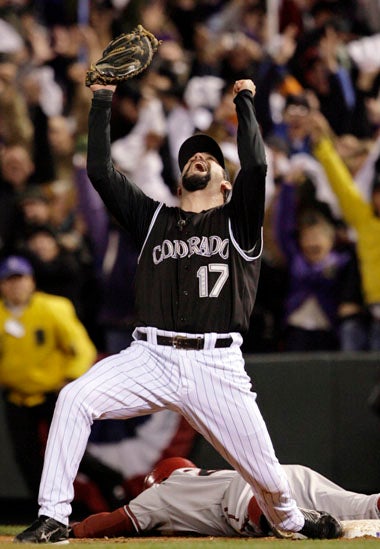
(314, 251)
(199, 165)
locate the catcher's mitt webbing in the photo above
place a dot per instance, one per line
(126, 56)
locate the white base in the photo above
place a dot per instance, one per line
(360, 528)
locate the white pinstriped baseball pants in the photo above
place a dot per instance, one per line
(210, 388)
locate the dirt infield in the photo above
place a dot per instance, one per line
(366, 542)
(136, 540)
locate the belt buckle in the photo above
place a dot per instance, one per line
(183, 342)
(179, 342)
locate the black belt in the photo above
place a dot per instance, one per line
(183, 342)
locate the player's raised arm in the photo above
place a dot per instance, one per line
(248, 196)
(124, 200)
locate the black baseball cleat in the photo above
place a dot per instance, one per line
(320, 525)
(44, 530)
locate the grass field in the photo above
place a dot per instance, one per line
(7, 532)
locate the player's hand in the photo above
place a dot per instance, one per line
(96, 87)
(318, 127)
(241, 85)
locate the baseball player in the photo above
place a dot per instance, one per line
(196, 281)
(181, 499)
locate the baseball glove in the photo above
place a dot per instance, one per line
(126, 56)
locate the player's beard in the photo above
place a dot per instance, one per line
(196, 181)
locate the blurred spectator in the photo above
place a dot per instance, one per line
(103, 20)
(36, 84)
(323, 282)
(43, 347)
(34, 205)
(279, 164)
(53, 205)
(16, 126)
(153, 16)
(241, 57)
(114, 266)
(48, 232)
(184, 15)
(138, 153)
(275, 81)
(291, 13)
(292, 128)
(355, 153)
(61, 139)
(57, 271)
(16, 169)
(358, 213)
(326, 70)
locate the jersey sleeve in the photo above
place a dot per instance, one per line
(147, 512)
(248, 195)
(124, 200)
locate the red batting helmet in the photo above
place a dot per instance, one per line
(164, 469)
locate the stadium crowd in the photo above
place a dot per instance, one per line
(318, 80)
(317, 74)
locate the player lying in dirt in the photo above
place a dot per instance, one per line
(180, 498)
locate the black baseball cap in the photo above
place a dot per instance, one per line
(199, 142)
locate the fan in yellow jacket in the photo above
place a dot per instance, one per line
(43, 346)
(362, 215)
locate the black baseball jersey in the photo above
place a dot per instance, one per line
(197, 272)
